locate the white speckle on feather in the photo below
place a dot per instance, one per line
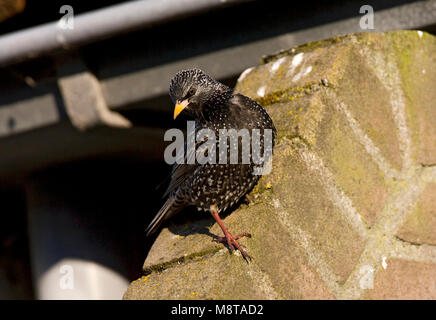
(420, 34)
(423, 71)
(261, 91)
(276, 65)
(244, 74)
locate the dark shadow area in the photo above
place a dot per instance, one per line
(430, 29)
(15, 274)
(110, 202)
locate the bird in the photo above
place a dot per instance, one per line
(213, 187)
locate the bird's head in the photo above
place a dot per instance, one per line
(191, 90)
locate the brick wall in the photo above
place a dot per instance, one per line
(349, 210)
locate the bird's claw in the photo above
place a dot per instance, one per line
(232, 243)
(224, 239)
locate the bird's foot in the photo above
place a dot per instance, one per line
(224, 239)
(232, 243)
(231, 240)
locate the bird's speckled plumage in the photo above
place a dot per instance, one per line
(213, 106)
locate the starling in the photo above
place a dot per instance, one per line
(213, 187)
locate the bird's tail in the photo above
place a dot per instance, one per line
(168, 209)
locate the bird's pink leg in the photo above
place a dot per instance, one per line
(231, 240)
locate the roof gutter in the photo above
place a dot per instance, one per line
(99, 24)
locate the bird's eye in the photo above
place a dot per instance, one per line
(191, 92)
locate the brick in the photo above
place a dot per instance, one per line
(404, 280)
(420, 225)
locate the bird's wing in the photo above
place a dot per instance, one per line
(177, 172)
(170, 207)
(180, 172)
(247, 110)
(239, 107)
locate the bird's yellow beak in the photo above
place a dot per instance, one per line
(179, 107)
